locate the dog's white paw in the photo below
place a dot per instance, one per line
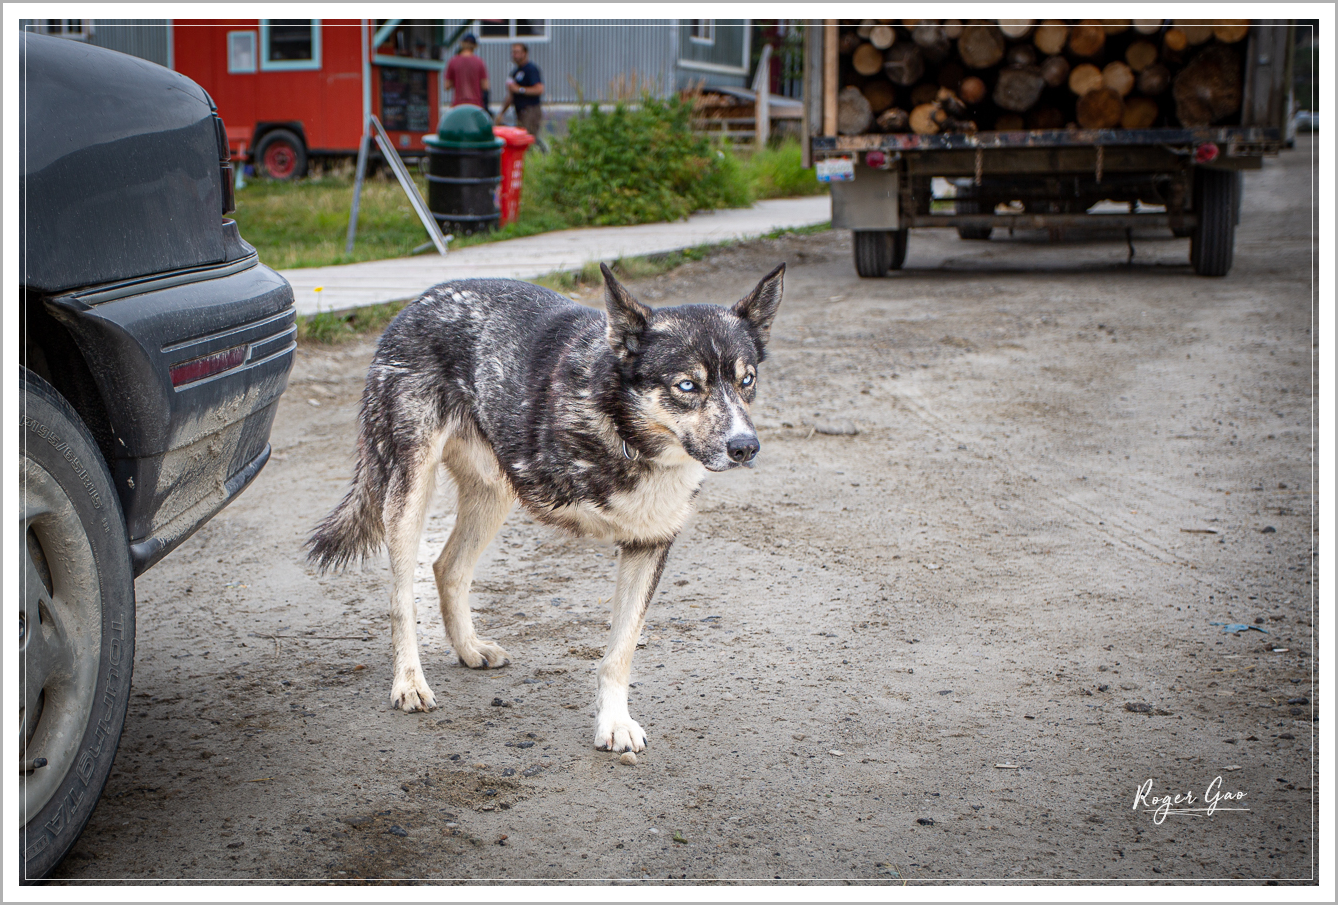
(482, 654)
(619, 733)
(410, 693)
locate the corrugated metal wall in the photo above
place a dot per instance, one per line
(592, 59)
(143, 38)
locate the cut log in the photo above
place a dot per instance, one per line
(958, 125)
(924, 93)
(922, 119)
(1055, 70)
(894, 119)
(1020, 55)
(980, 46)
(1016, 28)
(1045, 118)
(1119, 76)
(910, 23)
(1050, 37)
(953, 29)
(904, 63)
(882, 36)
(972, 90)
(950, 74)
(865, 27)
(932, 41)
(1018, 89)
(1174, 40)
(1010, 122)
(1147, 26)
(1139, 113)
(1116, 26)
(853, 114)
(1195, 33)
(1154, 80)
(848, 42)
(950, 102)
(1087, 39)
(1140, 55)
(1084, 78)
(1100, 108)
(880, 94)
(867, 59)
(1208, 89)
(1230, 31)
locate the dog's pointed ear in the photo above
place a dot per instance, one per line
(758, 307)
(627, 317)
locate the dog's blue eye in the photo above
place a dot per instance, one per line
(747, 380)
(687, 386)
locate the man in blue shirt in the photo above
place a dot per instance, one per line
(524, 89)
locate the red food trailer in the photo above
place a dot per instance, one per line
(293, 89)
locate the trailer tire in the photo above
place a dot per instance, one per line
(879, 250)
(281, 155)
(1216, 200)
(971, 232)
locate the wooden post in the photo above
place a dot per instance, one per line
(829, 76)
(762, 85)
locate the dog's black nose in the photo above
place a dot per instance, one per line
(742, 449)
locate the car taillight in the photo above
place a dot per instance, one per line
(226, 172)
(207, 365)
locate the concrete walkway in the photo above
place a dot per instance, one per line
(345, 286)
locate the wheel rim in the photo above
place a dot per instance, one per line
(280, 160)
(60, 623)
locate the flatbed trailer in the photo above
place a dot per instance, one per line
(1186, 180)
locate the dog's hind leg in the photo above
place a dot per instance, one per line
(639, 569)
(484, 500)
(405, 508)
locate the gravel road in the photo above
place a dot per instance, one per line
(974, 597)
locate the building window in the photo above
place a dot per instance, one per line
(75, 29)
(290, 44)
(701, 31)
(241, 51)
(511, 29)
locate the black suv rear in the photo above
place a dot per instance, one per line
(155, 348)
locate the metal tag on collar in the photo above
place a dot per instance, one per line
(628, 454)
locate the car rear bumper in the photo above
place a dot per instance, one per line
(182, 449)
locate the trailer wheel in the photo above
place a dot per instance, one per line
(878, 250)
(971, 232)
(1216, 200)
(281, 155)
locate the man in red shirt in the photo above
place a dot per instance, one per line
(467, 75)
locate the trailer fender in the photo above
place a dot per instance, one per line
(869, 201)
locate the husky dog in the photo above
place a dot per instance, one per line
(603, 425)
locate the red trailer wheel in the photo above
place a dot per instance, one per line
(281, 155)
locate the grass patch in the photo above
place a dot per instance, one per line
(779, 173)
(332, 328)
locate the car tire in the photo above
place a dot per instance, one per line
(898, 237)
(77, 626)
(281, 155)
(1216, 201)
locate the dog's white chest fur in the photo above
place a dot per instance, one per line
(654, 511)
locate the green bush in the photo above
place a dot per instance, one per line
(637, 165)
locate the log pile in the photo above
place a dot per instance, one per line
(923, 76)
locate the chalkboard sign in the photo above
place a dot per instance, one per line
(404, 99)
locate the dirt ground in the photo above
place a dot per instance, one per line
(951, 645)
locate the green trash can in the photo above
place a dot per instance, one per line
(464, 170)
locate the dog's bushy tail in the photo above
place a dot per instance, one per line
(356, 528)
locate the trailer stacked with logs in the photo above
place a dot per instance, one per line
(1035, 122)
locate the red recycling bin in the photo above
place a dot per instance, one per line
(513, 170)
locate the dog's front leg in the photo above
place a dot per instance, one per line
(639, 568)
